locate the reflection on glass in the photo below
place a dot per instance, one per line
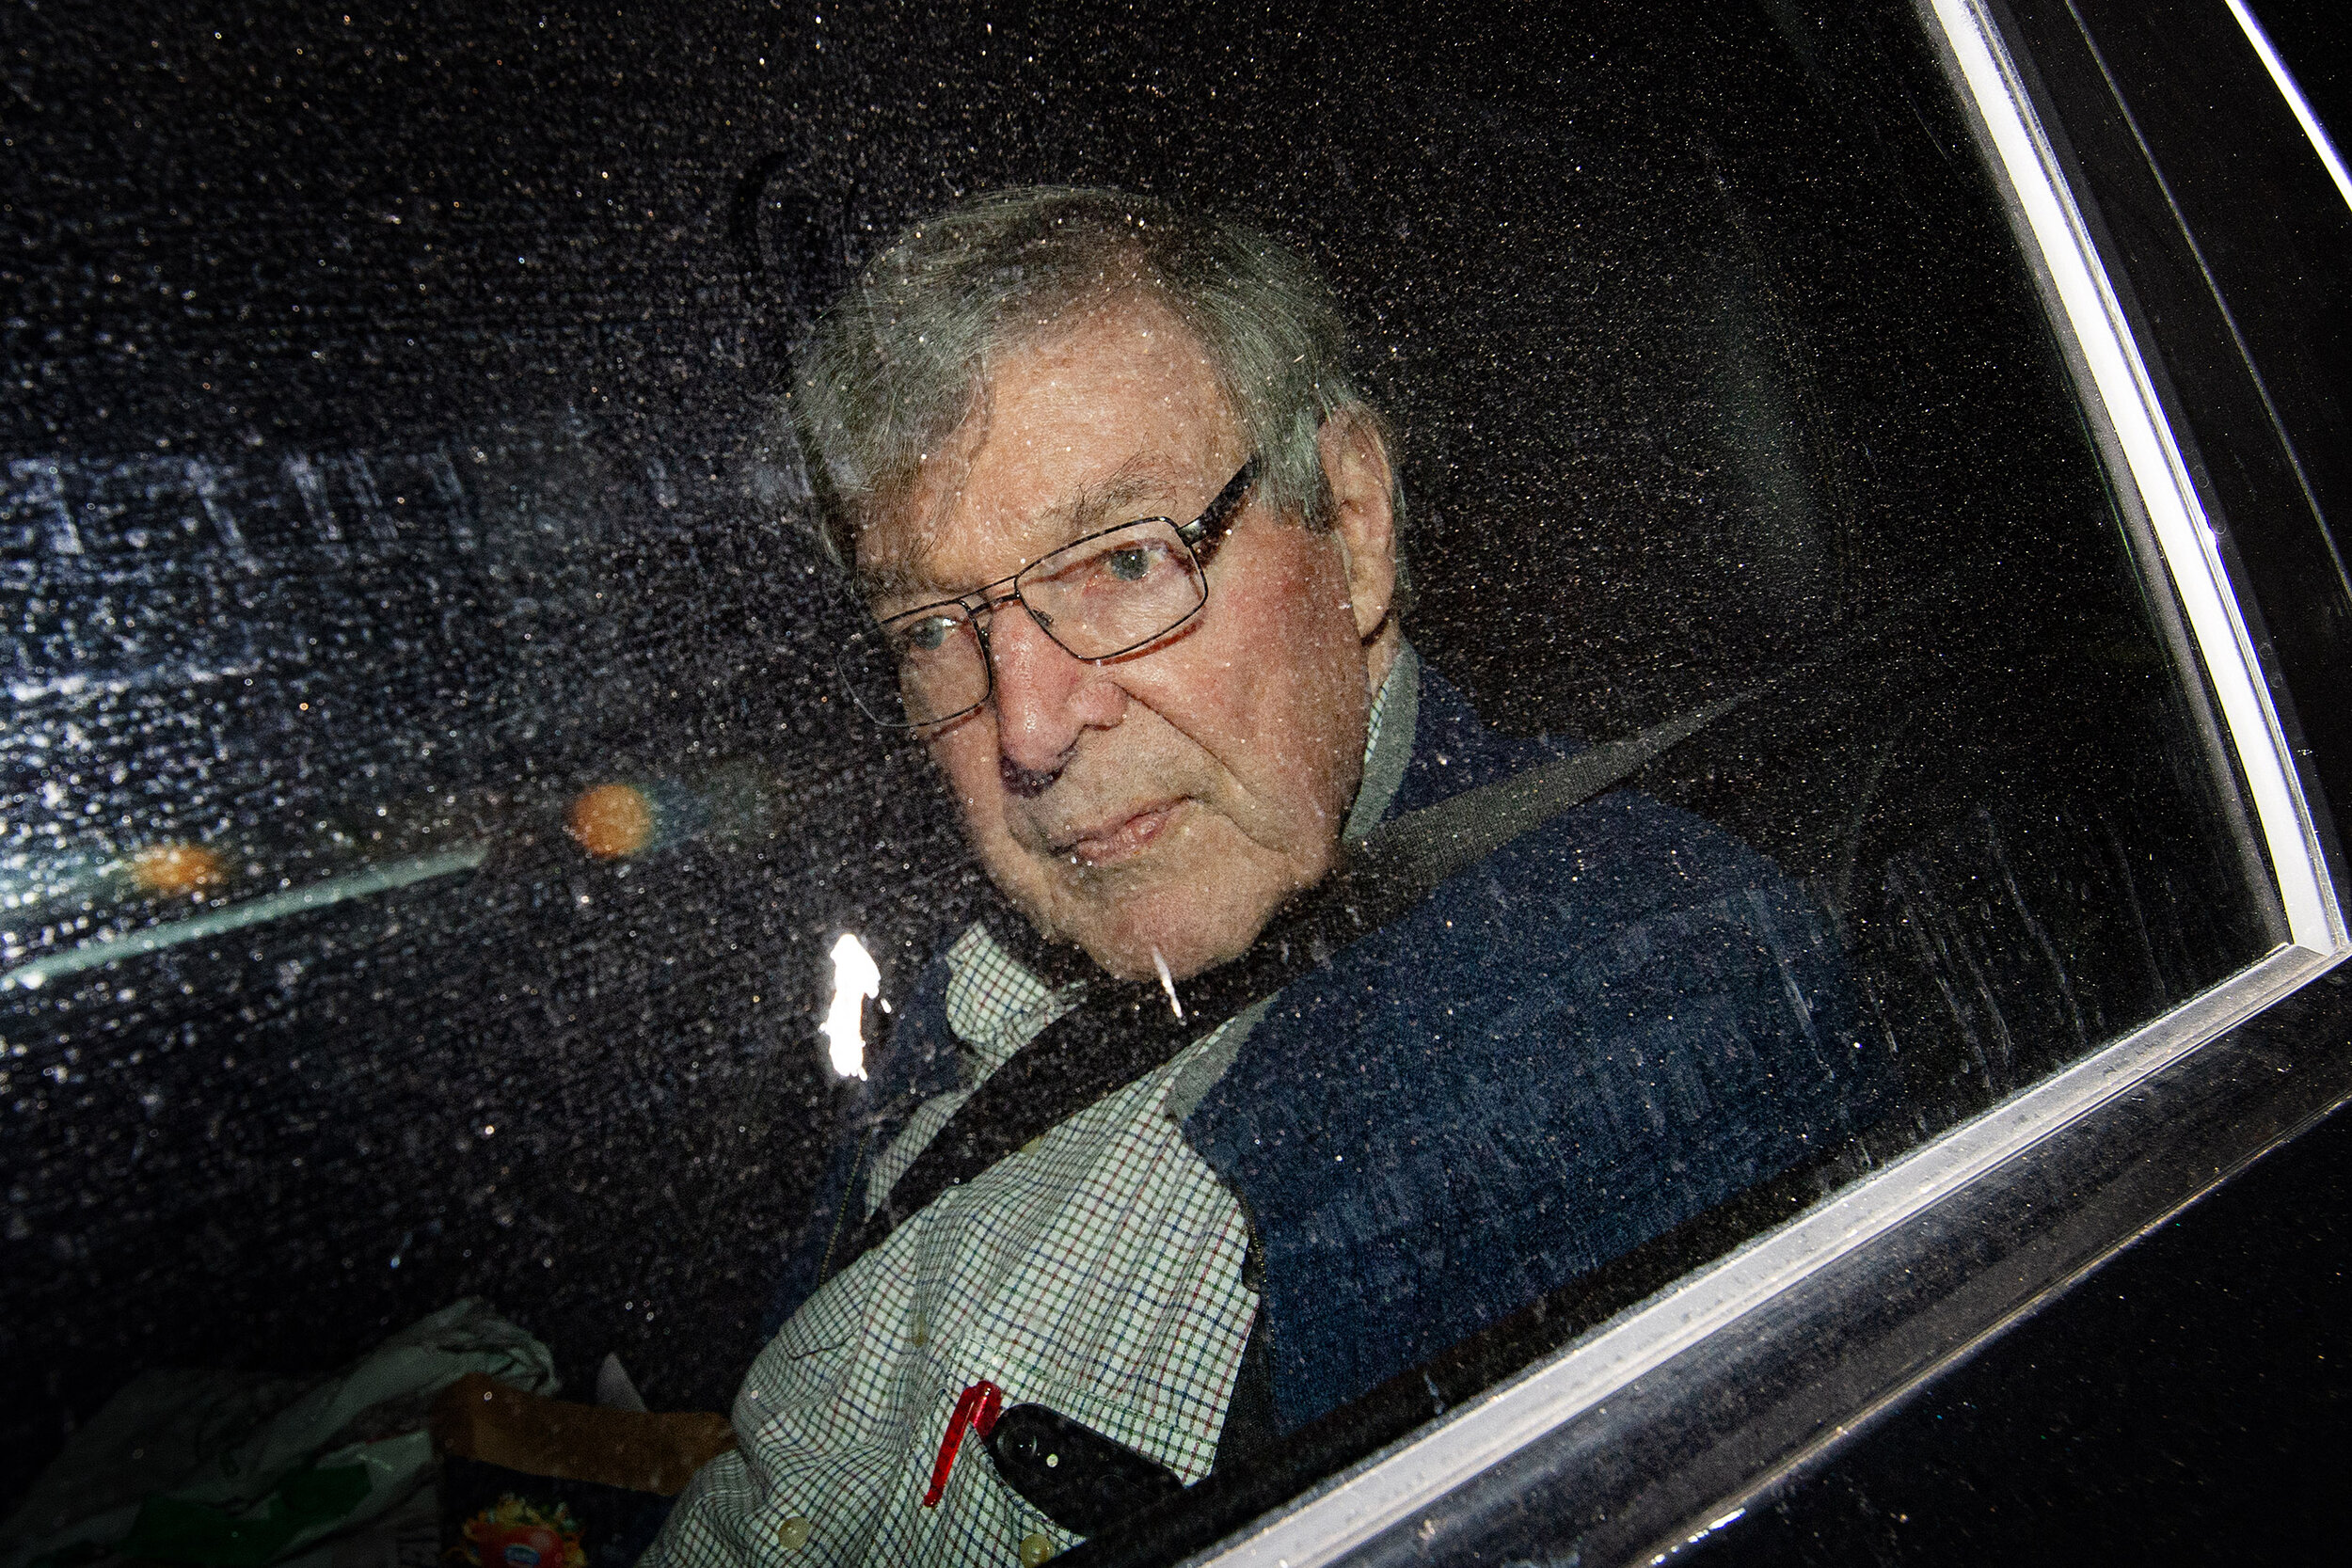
(433, 813)
(855, 977)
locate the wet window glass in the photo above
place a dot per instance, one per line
(1671, 713)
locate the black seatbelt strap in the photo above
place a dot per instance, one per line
(1123, 1029)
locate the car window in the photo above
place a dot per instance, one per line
(434, 827)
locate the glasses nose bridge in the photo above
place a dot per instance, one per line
(982, 604)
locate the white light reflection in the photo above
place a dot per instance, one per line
(2294, 95)
(855, 977)
(1168, 982)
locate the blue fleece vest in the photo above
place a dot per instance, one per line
(1609, 1027)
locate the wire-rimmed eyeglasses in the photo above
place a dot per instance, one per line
(1108, 593)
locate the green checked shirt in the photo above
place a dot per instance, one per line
(1098, 1271)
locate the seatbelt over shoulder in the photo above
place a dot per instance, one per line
(1123, 1029)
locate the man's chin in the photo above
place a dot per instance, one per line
(1139, 957)
(1134, 938)
(1188, 912)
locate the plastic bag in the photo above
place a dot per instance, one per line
(219, 1471)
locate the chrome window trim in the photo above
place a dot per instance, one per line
(2114, 382)
(2313, 131)
(1387, 1489)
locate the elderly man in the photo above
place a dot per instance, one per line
(1128, 535)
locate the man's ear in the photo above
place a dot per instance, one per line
(1363, 520)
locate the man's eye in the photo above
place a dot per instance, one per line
(1131, 564)
(925, 636)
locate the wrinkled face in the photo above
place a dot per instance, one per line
(1167, 802)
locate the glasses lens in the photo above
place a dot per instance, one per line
(1115, 591)
(916, 669)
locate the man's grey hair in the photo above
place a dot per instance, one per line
(898, 363)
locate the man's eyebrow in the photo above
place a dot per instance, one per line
(1119, 499)
(897, 580)
(1123, 495)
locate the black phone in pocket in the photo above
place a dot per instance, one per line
(1084, 1481)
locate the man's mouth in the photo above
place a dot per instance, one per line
(1115, 839)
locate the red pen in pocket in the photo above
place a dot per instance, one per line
(976, 1411)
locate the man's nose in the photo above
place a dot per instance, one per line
(1046, 696)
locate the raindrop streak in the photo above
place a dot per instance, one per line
(855, 977)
